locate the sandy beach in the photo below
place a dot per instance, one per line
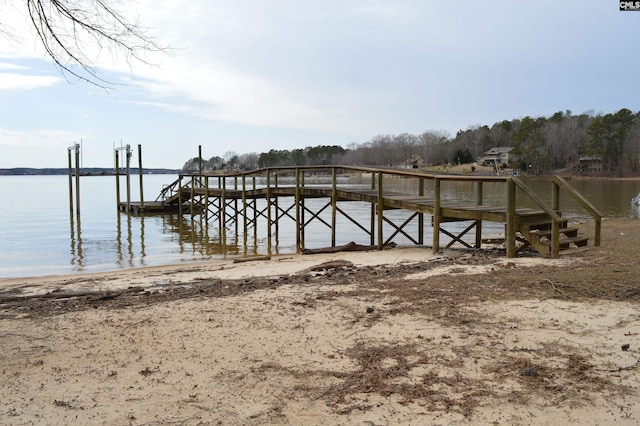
(399, 336)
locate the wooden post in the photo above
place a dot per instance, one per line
(479, 200)
(334, 206)
(244, 208)
(380, 211)
(140, 173)
(70, 184)
(77, 147)
(373, 213)
(436, 215)
(555, 197)
(598, 228)
(206, 200)
(255, 214)
(192, 195)
(223, 213)
(276, 205)
(510, 233)
(128, 170)
(180, 197)
(297, 201)
(302, 212)
(268, 196)
(421, 215)
(117, 173)
(219, 207)
(235, 205)
(555, 226)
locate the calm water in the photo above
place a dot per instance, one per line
(39, 236)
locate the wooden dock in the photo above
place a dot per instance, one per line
(232, 198)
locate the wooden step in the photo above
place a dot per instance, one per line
(566, 242)
(542, 225)
(538, 233)
(578, 241)
(574, 250)
(569, 232)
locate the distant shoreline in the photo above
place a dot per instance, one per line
(605, 177)
(108, 171)
(85, 171)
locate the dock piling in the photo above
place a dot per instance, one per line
(76, 148)
(510, 233)
(141, 182)
(436, 215)
(380, 211)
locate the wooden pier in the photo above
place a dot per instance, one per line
(233, 199)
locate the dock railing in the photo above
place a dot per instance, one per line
(516, 190)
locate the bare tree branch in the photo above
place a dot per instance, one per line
(71, 30)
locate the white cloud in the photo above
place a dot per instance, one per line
(11, 81)
(38, 138)
(229, 66)
(13, 67)
(222, 94)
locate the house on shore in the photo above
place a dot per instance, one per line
(499, 155)
(590, 165)
(414, 162)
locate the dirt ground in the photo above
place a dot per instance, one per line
(398, 336)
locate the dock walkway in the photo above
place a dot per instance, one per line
(233, 198)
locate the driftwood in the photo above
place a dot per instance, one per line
(250, 259)
(347, 247)
(332, 264)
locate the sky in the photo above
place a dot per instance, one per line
(248, 76)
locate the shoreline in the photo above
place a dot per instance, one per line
(398, 336)
(259, 266)
(338, 344)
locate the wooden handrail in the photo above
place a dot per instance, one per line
(578, 197)
(378, 173)
(332, 171)
(384, 170)
(555, 218)
(536, 199)
(597, 216)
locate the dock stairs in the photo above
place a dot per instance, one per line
(538, 233)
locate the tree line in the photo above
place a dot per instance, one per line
(540, 145)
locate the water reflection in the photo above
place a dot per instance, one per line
(143, 246)
(206, 239)
(75, 232)
(126, 255)
(124, 260)
(611, 196)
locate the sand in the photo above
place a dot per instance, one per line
(322, 345)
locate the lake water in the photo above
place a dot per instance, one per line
(39, 236)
